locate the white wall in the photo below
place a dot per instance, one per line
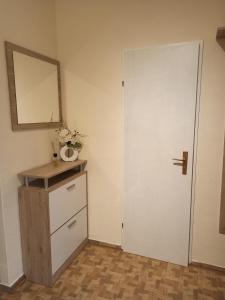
(31, 24)
(91, 37)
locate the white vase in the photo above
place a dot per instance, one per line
(68, 153)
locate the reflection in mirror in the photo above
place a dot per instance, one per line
(34, 89)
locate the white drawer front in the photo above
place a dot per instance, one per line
(66, 201)
(65, 240)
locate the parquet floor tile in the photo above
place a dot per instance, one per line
(102, 273)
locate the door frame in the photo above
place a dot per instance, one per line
(195, 140)
(194, 165)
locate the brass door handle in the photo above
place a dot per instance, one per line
(182, 162)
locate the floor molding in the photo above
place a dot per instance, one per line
(207, 266)
(9, 289)
(105, 244)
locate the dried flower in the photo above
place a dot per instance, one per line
(70, 137)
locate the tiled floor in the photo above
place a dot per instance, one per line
(107, 273)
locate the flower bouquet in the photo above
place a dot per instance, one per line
(70, 141)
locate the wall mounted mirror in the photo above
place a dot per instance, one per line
(34, 89)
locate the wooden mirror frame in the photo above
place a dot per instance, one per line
(220, 37)
(9, 48)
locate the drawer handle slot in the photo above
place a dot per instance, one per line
(72, 224)
(71, 187)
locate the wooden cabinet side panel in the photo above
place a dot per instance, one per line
(35, 235)
(222, 205)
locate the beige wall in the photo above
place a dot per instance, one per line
(91, 37)
(3, 259)
(31, 24)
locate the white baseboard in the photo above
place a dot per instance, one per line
(9, 287)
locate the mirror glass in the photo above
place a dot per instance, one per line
(36, 85)
(34, 89)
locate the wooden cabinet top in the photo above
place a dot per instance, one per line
(52, 169)
(50, 174)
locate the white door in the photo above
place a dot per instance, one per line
(160, 113)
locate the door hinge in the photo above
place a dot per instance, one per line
(122, 225)
(122, 83)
